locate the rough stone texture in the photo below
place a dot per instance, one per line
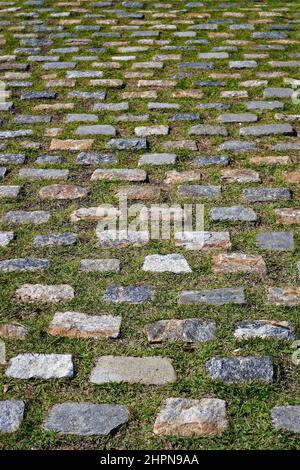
(175, 263)
(44, 293)
(26, 217)
(241, 369)
(226, 295)
(267, 129)
(119, 238)
(188, 417)
(6, 238)
(266, 194)
(233, 213)
(116, 174)
(85, 419)
(191, 330)
(278, 241)
(80, 325)
(11, 415)
(204, 241)
(286, 418)
(13, 331)
(24, 264)
(154, 370)
(55, 239)
(289, 296)
(100, 265)
(238, 262)
(287, 216)
(248, 329)
(40, 366)
(63, 191)
(128, 294)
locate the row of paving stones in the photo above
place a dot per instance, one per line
(179, 416)
(190, 330)
(138, 294)
(223, 263)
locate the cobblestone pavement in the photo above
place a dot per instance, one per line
(131, 342)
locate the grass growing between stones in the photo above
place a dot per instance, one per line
(249, 405)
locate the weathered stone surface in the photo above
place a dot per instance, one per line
(24, 264)
(44, 293)
(69, 144)
(242, 64)
(248, 329)
(225, 263)
(140, 193)
(211, 160)
(243, 175)
(287, 216)
(191, 330)
(187, 417)
(225, 295)
(286, 418)
(289, 296)
(43, 174)
(128, 144)
(267, 129)
(241, 369)
(95, 158)
(119, 174)
(9, 192)
(241, 117)
(92, 214)
(157, 159)
(80, 325)
(279, 241)
(145, 131)
(173, 263)
(26, 217)
(278, 92)
(40, 366)
(85, 419)
(266, 194)
(128, 294)
(174, 176)
(13, 331)
(100, 265)
(204, 241)
(11, 415)
(199, 191)
(55, 239)
(63, 191)
(264, 105)
(96, 130)
(6, 238)
(119, 238)
(237, 146)
(154, 370)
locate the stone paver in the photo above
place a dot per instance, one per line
(142, 370)
(11, 415)
(85, 419)
(190, 417)
(40, 366)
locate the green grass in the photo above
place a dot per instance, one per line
(249, 406)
